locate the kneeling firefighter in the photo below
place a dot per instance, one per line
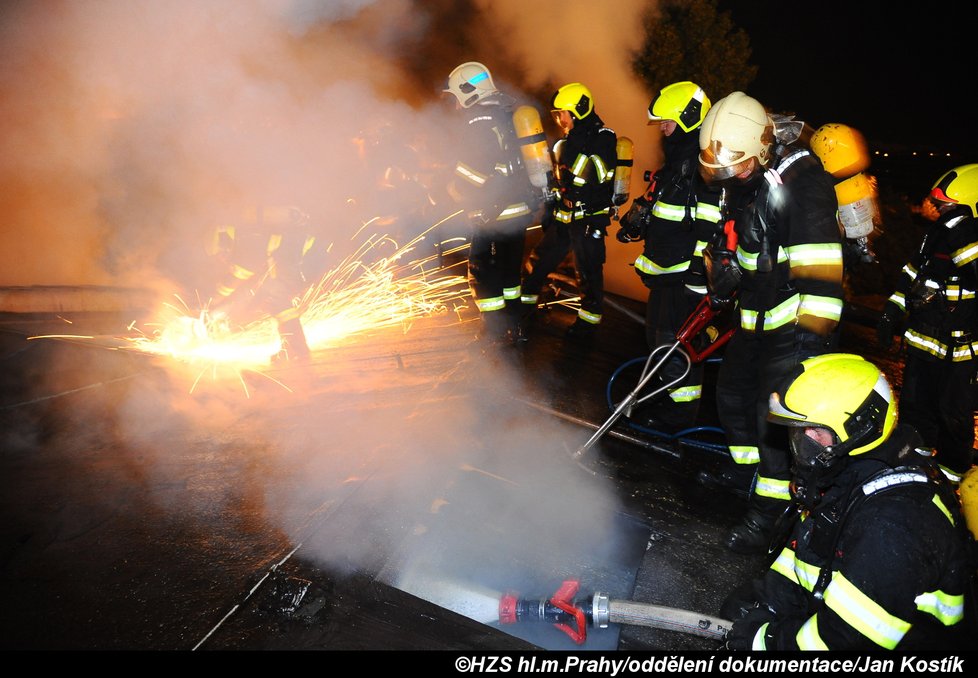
(264, 253)
(878, 555)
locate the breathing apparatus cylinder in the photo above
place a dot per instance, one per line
(623, 171)
(533, 145)
(857, 205)
(845, 156)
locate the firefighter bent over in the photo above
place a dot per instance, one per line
(264, 253)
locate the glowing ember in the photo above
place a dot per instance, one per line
(356, 296)
(365, 292)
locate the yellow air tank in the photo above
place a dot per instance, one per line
(845, 156)
(533, 145)
(623, 171)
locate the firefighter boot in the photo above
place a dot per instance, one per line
(524, 323)
(753, 534)
(582, 332)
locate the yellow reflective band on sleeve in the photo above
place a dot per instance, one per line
(472, 176)
(759, 642)
(491, 304)
(820, 307)
(577, 168)
(821, 254)
(604, 174)
(708, 212)
(947, 609)
(899, 300)
(942, 508)
(782, 314)
(773, 488)
(698, 248)
(698, 289)
(748, 260)
(242, 273)
(807, 636)
(646, 265)
(274, 242)
(668, 212)
(291, 313)
(510, 293)
(957, 293)
(745, 454)
(924, 343)
(563, 216)
(796, 570)
(593, 318)
(966, 254)
(529, 298)
(863, 613)
(518, 209)
(686, 394)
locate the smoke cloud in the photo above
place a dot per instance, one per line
(132, 127)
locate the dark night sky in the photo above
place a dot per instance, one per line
(903, 75)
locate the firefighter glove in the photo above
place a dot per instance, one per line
(745, 629)
(623, 236)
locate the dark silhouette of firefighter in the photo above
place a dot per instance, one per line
(875, 553)
(675, 218)
(490, 181)
(786, 267)
(586, 162)
(263, 251)
(935, 300)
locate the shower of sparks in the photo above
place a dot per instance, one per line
(366, 292)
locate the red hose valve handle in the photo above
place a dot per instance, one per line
(563, 599)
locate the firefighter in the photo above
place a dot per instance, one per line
(675, 218)
(782, 207)
(877, 553)
(935, 297)
(586, 161)
(490, 180)
(264, 252)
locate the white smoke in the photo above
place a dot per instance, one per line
(134, 126)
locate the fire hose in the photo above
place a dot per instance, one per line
(573, 616)
(696, 341)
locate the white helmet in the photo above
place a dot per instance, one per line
(470, 82)
(736, 139)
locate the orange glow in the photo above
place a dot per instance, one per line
(365, 292)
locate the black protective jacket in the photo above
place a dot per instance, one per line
(586, 162)
(675, 218)
(936, 290)
(789, 247)
(882, 562)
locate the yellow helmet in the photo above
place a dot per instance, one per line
(470, 82)
(959, 186)
(575, 98)
(736, 138)
(841, 149)
(685, 103)
(841, 392)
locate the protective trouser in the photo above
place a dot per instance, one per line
(937, 399)
(753, 367)
(667, 310)
(588, 247)
(494, 271)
